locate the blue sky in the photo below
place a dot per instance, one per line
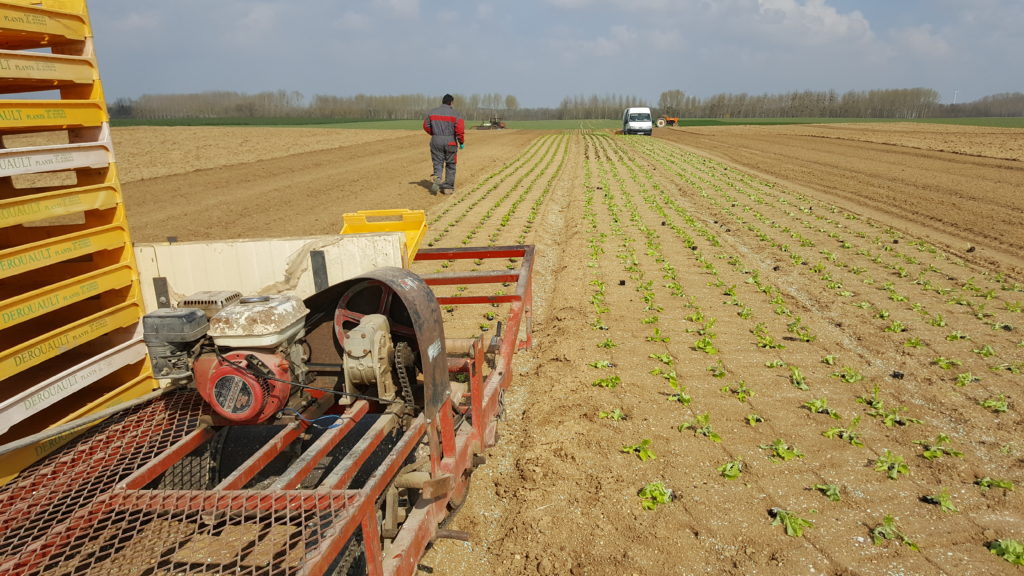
(543, 50)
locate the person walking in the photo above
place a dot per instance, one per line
(447, 136)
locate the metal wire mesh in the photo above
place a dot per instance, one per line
(67, 516)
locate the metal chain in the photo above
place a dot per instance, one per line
(403, 359)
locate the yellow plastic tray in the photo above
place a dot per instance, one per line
(412, 223)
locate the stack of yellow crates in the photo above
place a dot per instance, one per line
(70, 305)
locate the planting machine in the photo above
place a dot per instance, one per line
(252, 407)
(323, 430)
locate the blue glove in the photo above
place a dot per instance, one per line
(461, 146)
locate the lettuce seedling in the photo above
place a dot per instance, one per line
(936, 448)
(888, 530)
(849, 434)
(942, 500)
(609, 382)
(654, 493)
(820, 406)
(782, 451)
(1010, 550)
(613, 414)
(830, 491)
(642, 450)
(793, 524)
(701, 426)
(892, 464)
(731, 470)
(987, 483)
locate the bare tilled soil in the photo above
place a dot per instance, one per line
(753, 321)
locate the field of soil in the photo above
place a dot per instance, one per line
(753, 318)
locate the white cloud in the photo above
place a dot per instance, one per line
(352, 21)
(615, 42)
(921, 41)
(667, 39)
(137, 21)
(258, 20)
(812, 22)
(402, 9)
(485, 11)
(570, 4)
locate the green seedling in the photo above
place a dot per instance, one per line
(731, 470)
(848, 375)
(913, 342)
(782, 451)
(740, 391)
(653, 494)
(680, 394)
(943, 500)
(701, 426)
(997, 404)
(609, 382)
(615, 414)
(1010, 550)
(717, 370)
(754, 419)
(936, 448)
(892, 464)
(888, 530)
(706, 345)
(893, 417)
(988, 483)
(796, 378)
(601, 364)
(793, 524)
(830, 491)
(820, 406)
(642, 450)
(985, 351)
(665, 358)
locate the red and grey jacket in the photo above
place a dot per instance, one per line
(445, 125)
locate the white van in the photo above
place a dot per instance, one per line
(637, 121)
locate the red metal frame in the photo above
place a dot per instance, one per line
(321, 521)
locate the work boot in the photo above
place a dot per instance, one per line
(435, 187)
(448, 190)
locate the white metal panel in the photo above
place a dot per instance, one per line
(261, 266)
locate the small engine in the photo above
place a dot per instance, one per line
(257, 355)
(243, 362)
(252, 358)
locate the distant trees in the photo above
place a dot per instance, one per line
(1010, 104)
(282, 104)
(591, 107)
(906, 103)
(897, 103)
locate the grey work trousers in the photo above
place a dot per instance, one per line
(444, 158)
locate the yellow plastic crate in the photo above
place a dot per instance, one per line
(412, 223)
(26, 24)
(54, 203)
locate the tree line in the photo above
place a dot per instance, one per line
(902, 103)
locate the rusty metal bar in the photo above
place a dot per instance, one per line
(304, 464)
(265, 455)
(162, 463)
(471, 253)
(343, 473)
